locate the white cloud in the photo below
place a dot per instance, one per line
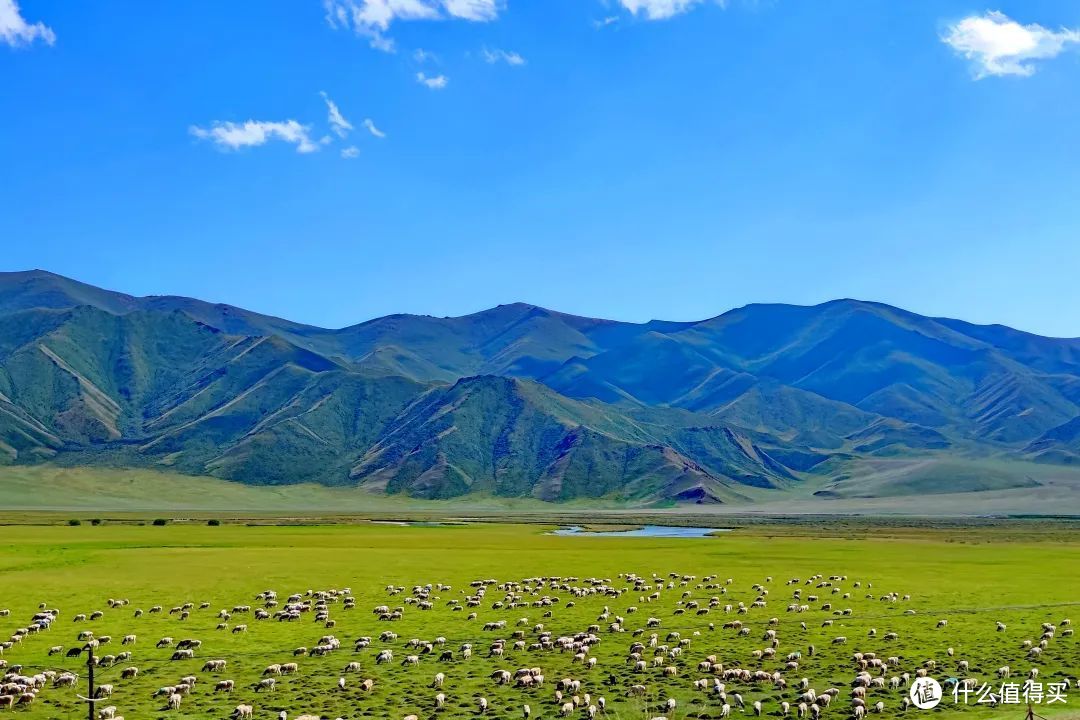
(370, 125)
(338, 123)
(475, 10)
(604, 22)
(15, 31)
(510, 58)
(435, 83)
(661, 9)
(350, 152)
(997, 45)
(372, 18)
(233, 136)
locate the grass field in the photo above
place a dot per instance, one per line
(906, 488)
(54, 488)
(972, 579)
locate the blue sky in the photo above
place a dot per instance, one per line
(630, 159)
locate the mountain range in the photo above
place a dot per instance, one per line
(521, 401)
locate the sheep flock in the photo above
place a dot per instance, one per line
(657, 644)
(502, 621)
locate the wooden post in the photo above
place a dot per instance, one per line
(90, 715)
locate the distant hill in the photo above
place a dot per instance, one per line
(520, 401)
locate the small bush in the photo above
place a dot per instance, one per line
(95, 521)
(213, 523)
(73, 522)
(160, 522)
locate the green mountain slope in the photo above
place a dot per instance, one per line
(507, 436)
(520, 401)
(866, 356)
(1060, 444)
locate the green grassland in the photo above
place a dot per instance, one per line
(973, 578)
(53, 488)
(940, 487)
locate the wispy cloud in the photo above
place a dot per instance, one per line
(998, 45)
(350, 153)
(338, 123)
(435, 83)
(423, 56)
(16, 32)
(253, 133)
(370, 125)
(662, 9)
(372, 18)
(604, 22)
(495, 56)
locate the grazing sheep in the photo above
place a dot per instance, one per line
(66, 679)
(661, 650)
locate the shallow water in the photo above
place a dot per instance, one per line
(659, 531)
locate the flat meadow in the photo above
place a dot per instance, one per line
(619, 590)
